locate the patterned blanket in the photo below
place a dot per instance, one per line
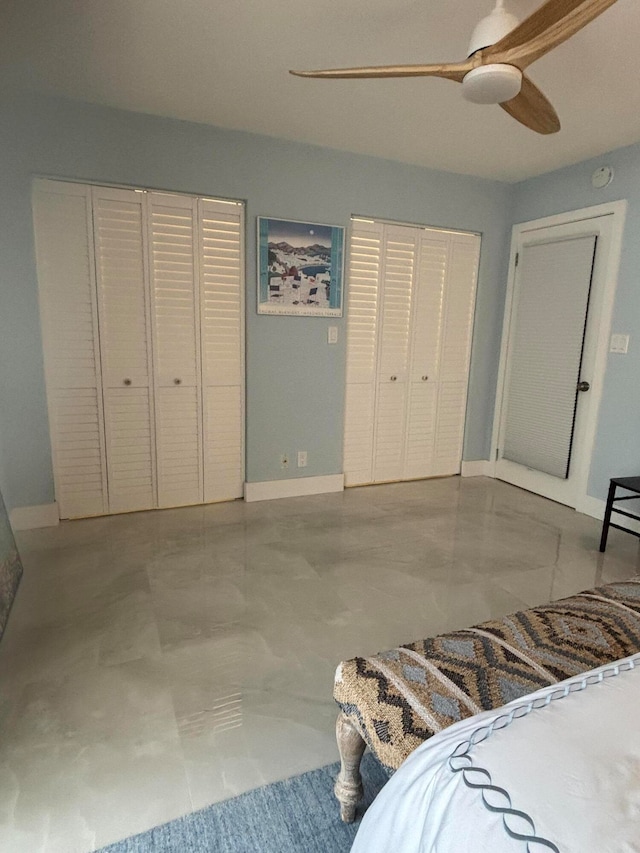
(399, 698)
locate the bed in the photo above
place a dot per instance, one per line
(558, 769)
(396, 700)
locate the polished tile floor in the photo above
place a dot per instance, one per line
(160, 661)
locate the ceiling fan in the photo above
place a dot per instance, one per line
(500, 51)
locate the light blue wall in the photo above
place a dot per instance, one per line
(617, 447)
(295, 381)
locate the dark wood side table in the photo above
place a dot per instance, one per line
(629, 484)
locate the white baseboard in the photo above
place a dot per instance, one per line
(30, 517)
(591, 506)
(596, 507)
(294, 488)
(479, 468)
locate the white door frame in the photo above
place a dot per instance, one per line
(617, 210)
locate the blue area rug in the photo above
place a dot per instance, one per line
(299, 814)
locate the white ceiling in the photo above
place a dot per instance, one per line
(225, 63)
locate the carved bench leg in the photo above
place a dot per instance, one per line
(348, 787)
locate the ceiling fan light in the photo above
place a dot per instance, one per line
(492, 84)
(492, 28)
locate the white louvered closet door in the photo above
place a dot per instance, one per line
(365, 258)
(399, 260)
(64, 248)
(221, 229)
(175, 322)
(455, 353)
(426, 334)
(409, 328)
(125, 345)
(143, 327)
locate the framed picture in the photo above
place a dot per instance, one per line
(300, 268)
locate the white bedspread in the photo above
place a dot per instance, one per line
(571, 764)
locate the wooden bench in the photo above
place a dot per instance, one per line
(395, 700)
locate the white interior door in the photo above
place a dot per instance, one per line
(365, 258)
(409, 329)
(394, 348)
(221, 228)
(552, 328)
(142, 306)
(175, 324)
(125, 345)
(442, 327)
(68, 313)
(426, 334)
(455, 353)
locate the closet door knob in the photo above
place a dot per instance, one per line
(393, 378)
(177, 381)
(127, 382)
(424, 378)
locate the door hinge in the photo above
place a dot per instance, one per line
(497, 453)
(517, 258)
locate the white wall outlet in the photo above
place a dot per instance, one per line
(332, 335)
(284, 461)
(302, 459)
(620, 344)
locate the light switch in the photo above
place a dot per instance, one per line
(332, 335)
(619, 343)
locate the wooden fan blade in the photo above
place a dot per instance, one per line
(449, 71)
(554, 22)
(532, 109)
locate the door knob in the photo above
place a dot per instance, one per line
(177, 381)
(127, 382)
(424, 378)
(393, 378)
(583, 386)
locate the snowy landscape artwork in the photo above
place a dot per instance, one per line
(299, 268)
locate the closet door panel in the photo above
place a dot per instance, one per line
(224, 448)
(428, 308)
(62, 221)
(389, 432)
(358, 437)
(79, 470)
(456, 352)
(130, 447)
(398, 275)
(178, 427)
(459, 307)
(125, 344)
(175, 321)
(121, 286)
(426, 338)
(365, 259)
(449, 434)
(172, 261)
(421, 430)
(394, 346)
(222, 346)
